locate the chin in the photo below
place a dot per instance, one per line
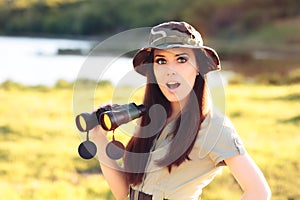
(175, 98)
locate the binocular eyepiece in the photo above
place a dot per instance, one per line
(109, 117)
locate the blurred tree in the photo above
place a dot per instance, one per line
(94, 17)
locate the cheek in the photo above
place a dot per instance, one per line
(159, 74)
(189, 77)
(187, 85)
(192, 80)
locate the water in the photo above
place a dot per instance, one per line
(34, 61)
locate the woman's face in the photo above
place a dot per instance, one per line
(175, 71)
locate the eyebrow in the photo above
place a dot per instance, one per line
(176, 55)
(182, 54)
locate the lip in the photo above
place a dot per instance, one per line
(173, 85)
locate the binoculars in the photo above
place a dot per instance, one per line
(109, 117)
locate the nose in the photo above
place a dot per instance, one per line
(171, 69)
(171, 72)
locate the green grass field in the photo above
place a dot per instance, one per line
(39, 140)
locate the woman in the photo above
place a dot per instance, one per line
(179, 148)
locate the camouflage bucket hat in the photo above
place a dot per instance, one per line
(174, 35)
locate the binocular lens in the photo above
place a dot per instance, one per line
(106, 122)
(82, 122)
(86, 121)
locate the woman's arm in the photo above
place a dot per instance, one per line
(112, 172)
(249, 176)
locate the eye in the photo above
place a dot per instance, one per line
(182, 59)
(160, 61)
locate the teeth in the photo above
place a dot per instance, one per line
(173, 85)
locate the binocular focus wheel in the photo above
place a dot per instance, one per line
(115, 150)
(87, 150)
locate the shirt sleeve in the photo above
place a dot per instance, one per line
(227, 144)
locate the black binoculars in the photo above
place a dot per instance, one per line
(109, 117)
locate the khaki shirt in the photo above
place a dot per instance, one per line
(216, 141)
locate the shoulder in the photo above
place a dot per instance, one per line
(217, 126)
(218, 138)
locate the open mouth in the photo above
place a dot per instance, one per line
(173, 85)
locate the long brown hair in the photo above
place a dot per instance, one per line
(186, 128)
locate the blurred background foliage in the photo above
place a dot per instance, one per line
(235, 28)
(95, 17)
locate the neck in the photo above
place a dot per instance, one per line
(177, 107)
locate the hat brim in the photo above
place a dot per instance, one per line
(141, 58)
